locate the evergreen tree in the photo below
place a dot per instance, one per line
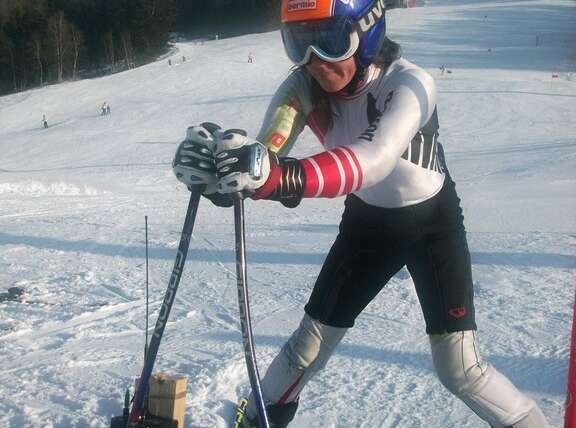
(43, 41)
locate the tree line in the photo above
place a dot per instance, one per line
(46, 41)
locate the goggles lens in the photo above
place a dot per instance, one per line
(332, 39)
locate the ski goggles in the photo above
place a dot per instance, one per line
(332, 40)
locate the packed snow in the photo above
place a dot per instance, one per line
(73, 198)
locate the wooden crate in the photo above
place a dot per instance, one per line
(167, 397)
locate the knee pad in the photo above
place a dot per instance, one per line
(304, 354)
(312, 344)
(481, 387)
(457, 361)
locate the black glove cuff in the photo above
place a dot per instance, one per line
(290, 187)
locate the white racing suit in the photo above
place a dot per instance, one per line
(381, 150)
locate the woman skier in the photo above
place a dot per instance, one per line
(375, 114)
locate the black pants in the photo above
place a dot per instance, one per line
(374, 243)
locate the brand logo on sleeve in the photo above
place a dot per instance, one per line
(374, 115)
(295, 5)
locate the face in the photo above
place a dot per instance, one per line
(332, 76)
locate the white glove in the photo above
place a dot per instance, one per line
(194, 162)
(242, 164)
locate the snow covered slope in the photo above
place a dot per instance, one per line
(73, 199)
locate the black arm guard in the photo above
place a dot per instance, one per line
(290, 186)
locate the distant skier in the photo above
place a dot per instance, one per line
(108, 108)
(44, 121)
(103, 108)
(169, 62)
(183, 58)
(376, 115)
(250, 57)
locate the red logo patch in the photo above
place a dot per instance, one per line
(458, 312)
(277, 139)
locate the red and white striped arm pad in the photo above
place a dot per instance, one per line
(329, 174)
(332, 173)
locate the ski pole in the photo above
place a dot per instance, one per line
(147, 289)
(244, 306)
(185, 237)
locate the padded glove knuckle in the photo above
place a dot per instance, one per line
(201, 135)
(233, 139)
(194, 161)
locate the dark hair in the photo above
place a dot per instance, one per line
(389, 52)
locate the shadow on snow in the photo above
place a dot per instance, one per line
(551, 260)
